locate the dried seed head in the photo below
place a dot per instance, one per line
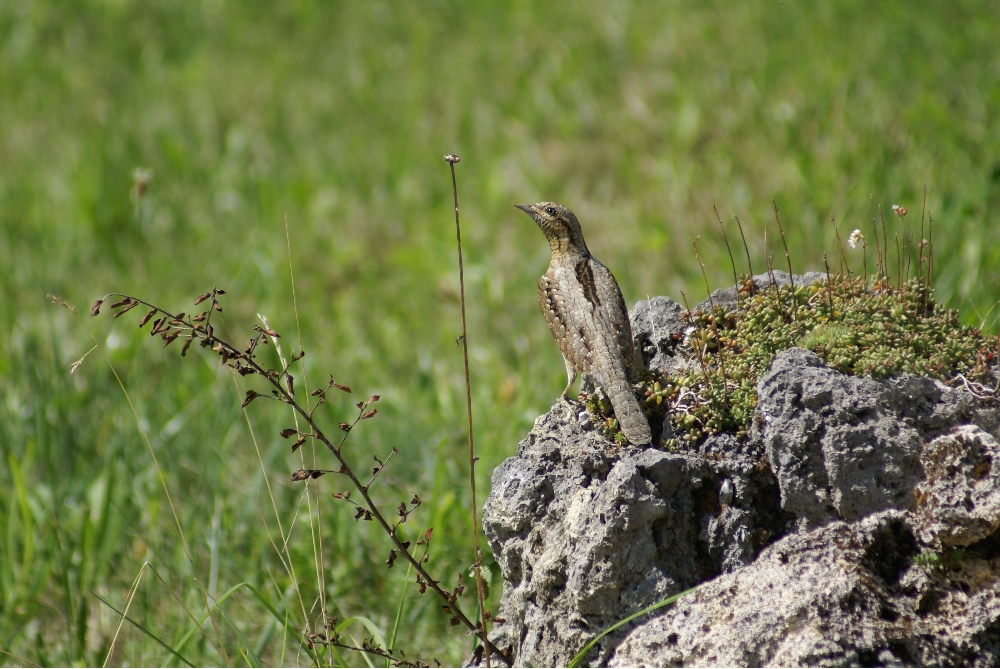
(61, 302)
(452, 158)
(202, 298)
(96, 308)
(369, 414)
(140, 180)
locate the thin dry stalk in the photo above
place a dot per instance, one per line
(930, 257)
(899, 261)
(840, 249)
(788, 258)
(878, 247)
(451, 159)
(128, 602)
(220, 647)
(701, 359)
(923, 209)
(829, 288)
(715, 326)
(885, 238)
(736, 279)
(315, 527)
(745, 248)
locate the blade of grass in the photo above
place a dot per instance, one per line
(145, 631)
(399, 608)
(128, 603)
(166, 491)
(575, 662)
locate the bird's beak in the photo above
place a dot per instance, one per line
(526, 208)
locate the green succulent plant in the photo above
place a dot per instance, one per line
(874, 330)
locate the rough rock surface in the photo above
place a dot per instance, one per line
(843, 446)
(807, 536)
(586, 533)
(845, 594)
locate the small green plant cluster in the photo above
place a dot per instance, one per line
(875, 330)
(934, 561)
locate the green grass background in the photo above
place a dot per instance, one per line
(334, 117)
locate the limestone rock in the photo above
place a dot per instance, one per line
(845, 594)
(586, 533)
(958, 502)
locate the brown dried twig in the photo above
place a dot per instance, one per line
(198, 328)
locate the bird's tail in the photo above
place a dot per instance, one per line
(632, 421)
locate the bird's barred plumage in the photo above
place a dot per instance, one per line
(586, 314)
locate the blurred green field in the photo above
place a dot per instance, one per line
(334, 117)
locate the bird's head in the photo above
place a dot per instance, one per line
(558, 224)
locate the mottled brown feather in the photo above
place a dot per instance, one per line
(586, 314)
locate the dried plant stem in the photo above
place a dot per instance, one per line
(715, 326)
(451, 159)
(840, 249)
(923, 210)
(878, 247)
(930, 258)
(899, 261)
(885, 244)
(747, 249)
(282, 391)
(701, 359)
(220, 648)
(736, 279)
(315, 526)
(788, 258)
(128, 602)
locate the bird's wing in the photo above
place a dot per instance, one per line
(568, 326)
(613, 304)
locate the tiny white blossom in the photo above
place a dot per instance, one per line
(895, 207)
(855, 237)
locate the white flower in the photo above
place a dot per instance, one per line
(855, 237)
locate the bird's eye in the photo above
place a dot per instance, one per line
(550, 211)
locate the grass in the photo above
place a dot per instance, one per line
(635, 116)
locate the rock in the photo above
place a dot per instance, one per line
(958, 502)
(857, 524)
(845, 594)
(586, 533)
(727, 298)
(843, 447)
(657, 329)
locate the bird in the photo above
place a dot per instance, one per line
(586, 314)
